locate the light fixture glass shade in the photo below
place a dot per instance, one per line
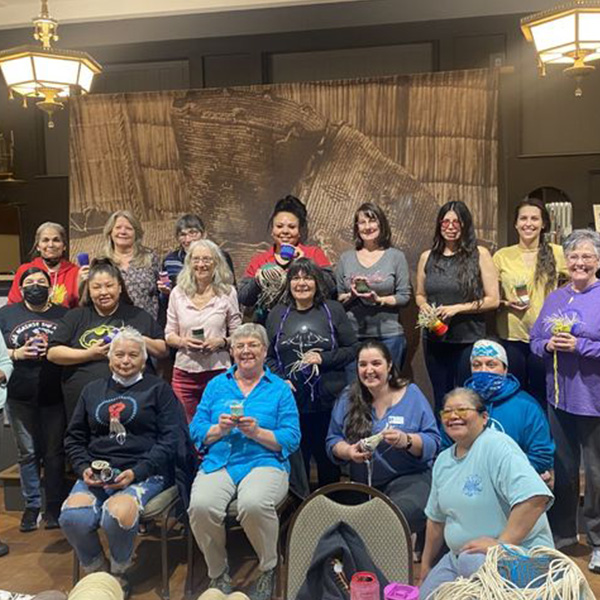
(567, 33)
(43, 72)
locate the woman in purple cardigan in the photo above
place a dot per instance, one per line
(567, 335)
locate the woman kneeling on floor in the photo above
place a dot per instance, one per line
(248, 420)
(484, 492)
(132, 421)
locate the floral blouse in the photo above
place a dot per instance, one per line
(141, 285)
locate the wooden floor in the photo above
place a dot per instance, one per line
(43, 560)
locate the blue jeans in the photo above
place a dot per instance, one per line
(39, 433)
(80, 524)
(448, 569)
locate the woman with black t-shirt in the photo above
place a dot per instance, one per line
(458, 281)
(35, 401)
(82, 340)
(311, 342)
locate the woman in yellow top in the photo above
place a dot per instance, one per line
(528, 272)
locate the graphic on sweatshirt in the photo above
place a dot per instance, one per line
(35, 328)
(58, 293)
(96, 335)
(116, 413)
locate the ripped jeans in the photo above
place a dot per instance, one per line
(80, 524)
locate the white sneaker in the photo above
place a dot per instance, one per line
(594, 564)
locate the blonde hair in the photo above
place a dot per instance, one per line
(97, 586)
(142, 255)
(222, 279)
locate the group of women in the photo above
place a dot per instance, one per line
(92, 361)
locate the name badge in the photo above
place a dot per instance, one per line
(396, 420)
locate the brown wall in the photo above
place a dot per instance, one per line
(537, 116)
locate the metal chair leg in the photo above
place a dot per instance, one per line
(75, 576)
(164, 559)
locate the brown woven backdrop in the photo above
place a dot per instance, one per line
(409, 143)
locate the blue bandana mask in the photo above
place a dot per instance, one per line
(486, 384)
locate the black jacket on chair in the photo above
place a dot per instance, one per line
(342, 542)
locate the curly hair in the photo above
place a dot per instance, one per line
(545, 265)
(467, 252)
(359, 422)
(294, 206)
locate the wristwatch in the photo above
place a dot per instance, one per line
(408, 442)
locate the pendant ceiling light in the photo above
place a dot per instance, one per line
(568, 34)
(46, 73)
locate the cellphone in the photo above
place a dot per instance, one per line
(83, 258)
(164, 278)
(198, 334)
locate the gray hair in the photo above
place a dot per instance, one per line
(189, 221)
(49, 225)
(580, 236)
(253, 330)
(222, 279)
(129, 334)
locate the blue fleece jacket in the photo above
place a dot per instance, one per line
(516, 413)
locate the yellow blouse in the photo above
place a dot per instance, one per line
(513, 271)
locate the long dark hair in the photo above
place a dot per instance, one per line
(293, 205)
(373, 211)
(467, 252)
(104, 265)
(359, 422)
(308, 268)
(545, 265)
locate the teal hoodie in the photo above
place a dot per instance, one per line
(517, 414)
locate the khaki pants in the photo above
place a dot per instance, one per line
(257, 496)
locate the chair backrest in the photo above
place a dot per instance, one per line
(381, 525)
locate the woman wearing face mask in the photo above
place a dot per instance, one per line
(528, 272)
(511, 409)
(133, 421)
(263, 283)
(35, 400)
(49, 252)
(82, 340)
(459, 279)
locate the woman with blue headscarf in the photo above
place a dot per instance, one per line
(311, 342)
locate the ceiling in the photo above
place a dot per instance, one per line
(18, 13)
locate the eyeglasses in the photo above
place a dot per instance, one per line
(205, 260)
(189, 233)
(447, 223)
(461, 413)
(586, 258)
(250, 345)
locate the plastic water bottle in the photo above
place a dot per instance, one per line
(364, 586)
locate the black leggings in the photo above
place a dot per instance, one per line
(528, 368)
(448, 365)
(314, 427)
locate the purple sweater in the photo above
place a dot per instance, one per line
(578, 371)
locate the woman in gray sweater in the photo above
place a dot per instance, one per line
(373, 282)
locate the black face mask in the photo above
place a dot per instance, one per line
(36, 294)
